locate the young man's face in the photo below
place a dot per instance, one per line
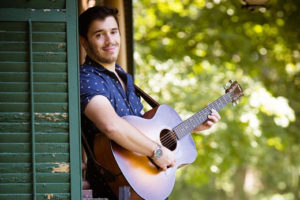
(103, 41)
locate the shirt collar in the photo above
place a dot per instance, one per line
(91, 62)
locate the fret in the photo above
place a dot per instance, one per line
(198, 120)
(176, 131)
(179, 132)
(218, 105)
(224, 101)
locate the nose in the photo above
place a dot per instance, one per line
(108, 38)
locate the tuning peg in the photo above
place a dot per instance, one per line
(227, 85)
(230, 81)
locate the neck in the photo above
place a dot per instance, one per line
(108, 66)
(185, 127)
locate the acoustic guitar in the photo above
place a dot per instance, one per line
(161, 124)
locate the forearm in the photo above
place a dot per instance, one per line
(130, 138)
(102, 114)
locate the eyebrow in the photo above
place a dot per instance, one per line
(101, 30)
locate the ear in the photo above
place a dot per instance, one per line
(83, 42)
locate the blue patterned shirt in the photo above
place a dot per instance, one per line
(97, 80)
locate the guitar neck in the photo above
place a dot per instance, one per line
(191, 123)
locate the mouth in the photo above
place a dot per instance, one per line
(110, 49)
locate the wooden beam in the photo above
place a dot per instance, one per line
(119, 4)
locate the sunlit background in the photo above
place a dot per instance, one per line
(186, 50)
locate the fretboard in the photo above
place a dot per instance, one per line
(191, 123)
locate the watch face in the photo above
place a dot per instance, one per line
(158, 153)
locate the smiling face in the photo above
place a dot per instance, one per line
(103, 41)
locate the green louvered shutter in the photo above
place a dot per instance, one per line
(39, 107)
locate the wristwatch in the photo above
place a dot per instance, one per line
(157, 153)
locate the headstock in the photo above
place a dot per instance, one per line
(235, 91)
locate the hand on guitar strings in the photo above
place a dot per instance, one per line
(212, 119)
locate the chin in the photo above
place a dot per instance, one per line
(108, 61)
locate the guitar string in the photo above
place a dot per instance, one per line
(167, 140)
(169, 143)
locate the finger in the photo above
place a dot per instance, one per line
(215, 113)
(173, 163)
(212, 118)
(209, 123)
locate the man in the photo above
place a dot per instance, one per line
(107, 93)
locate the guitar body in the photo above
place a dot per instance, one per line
(139, 172)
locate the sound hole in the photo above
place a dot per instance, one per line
(168, 139)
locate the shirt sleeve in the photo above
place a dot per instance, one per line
(91, 85)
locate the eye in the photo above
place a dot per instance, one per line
(114, 32)
(99, 35)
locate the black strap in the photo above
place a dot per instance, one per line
(146, 97)
(107, 174)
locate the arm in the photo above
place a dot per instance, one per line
(103, 115)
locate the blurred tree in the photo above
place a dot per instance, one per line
(186, 50)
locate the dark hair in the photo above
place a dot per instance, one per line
(94, 13)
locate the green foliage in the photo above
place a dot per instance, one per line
(186, 50)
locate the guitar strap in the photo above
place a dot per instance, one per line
(146, 97)
(107, 174)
